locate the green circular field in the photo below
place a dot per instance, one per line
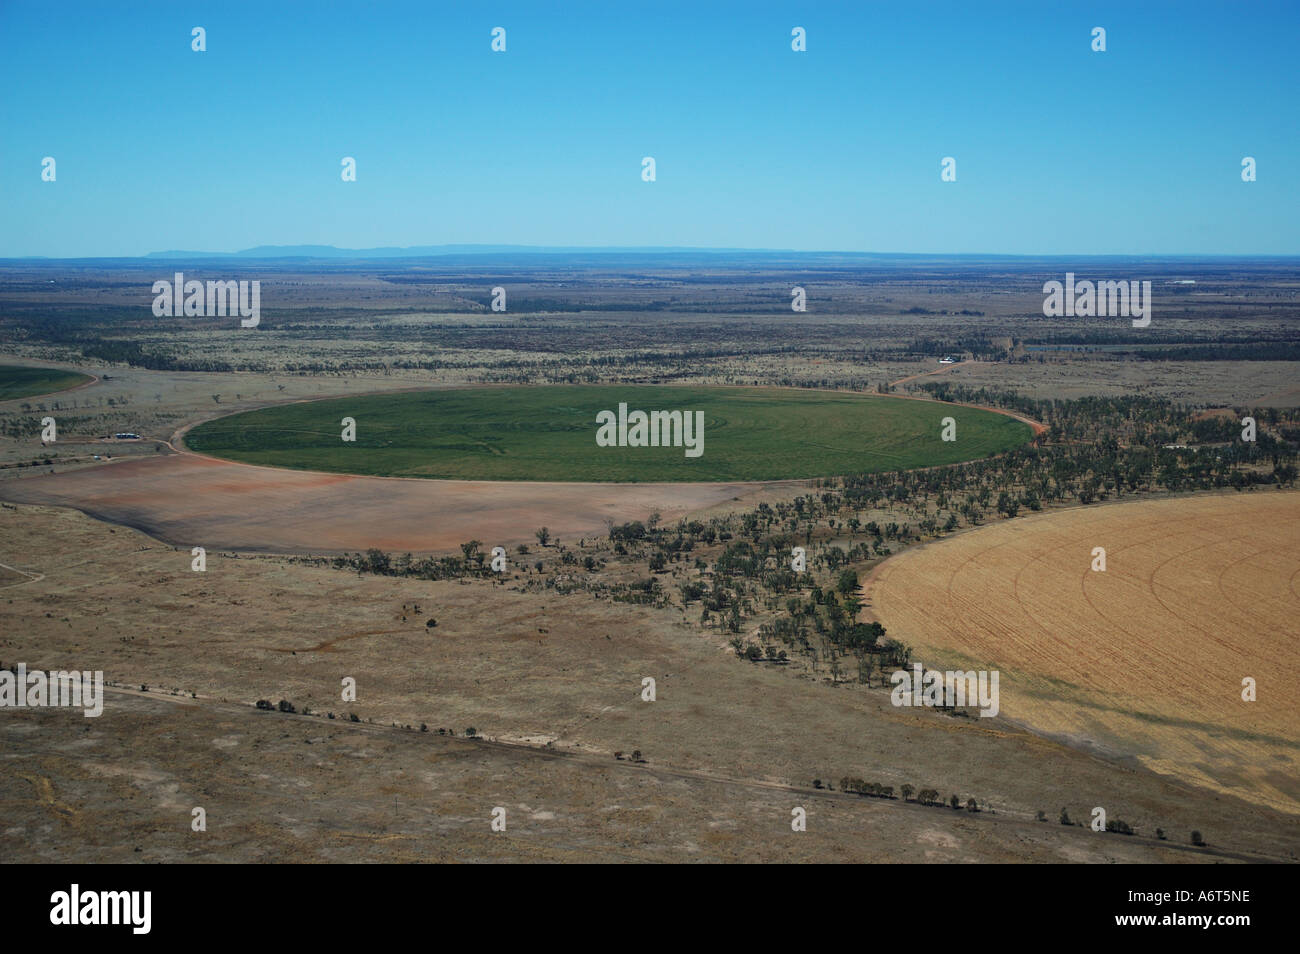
(551, 432)
(18, 381)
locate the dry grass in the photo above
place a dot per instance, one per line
(730, 746)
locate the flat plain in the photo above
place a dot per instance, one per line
(767, 699)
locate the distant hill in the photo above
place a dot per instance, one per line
(670, 256)
(431, 251)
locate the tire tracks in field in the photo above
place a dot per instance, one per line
(31, 577)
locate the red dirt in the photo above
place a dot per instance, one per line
(191, 500)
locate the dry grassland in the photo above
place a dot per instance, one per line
(730, 747)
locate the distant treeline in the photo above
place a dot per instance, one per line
(1259, 351)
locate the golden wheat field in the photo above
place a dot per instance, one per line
(1145, 659)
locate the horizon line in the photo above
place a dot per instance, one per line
(379, 253)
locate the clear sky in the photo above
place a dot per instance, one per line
(1059, 150)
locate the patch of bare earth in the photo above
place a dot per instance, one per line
(188, 499)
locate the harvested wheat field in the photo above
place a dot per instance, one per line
(1145, 659)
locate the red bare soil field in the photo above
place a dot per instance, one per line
(193, 500)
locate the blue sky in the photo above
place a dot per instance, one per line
(1059, 150)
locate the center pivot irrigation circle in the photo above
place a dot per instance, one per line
(609, 433)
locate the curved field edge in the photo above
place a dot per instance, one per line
(1144, 659)
(24, 381)
(548, 433)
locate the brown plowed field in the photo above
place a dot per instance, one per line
(1145, 659)
(188, 499)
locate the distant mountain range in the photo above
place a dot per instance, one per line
(431, 251)
(667, 255)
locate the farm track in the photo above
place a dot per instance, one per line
(604, 763)
(31, 577)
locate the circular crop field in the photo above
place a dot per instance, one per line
(594, 433)
(20, 381)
